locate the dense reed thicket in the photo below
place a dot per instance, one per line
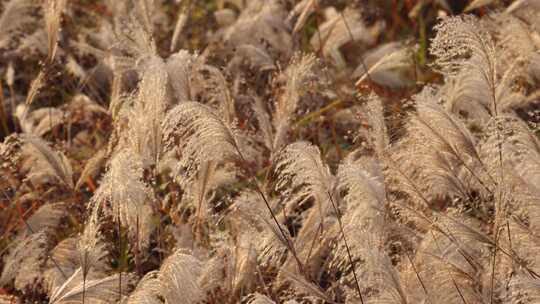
(269, 151)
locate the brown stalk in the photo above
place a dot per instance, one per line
(3, 113)
(494, 255)
(119, 258)
(137, 247)
(85, 272)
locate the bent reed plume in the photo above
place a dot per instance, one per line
(269, 151)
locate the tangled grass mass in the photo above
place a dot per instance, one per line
(270, 151)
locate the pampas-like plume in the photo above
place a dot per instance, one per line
(215, 86)
(459, 39)
(98, 291)
(83, 254)
(47, 162)
(303, 175)
(90, 246)
(27, 268)
(300, 167)
(450, 147)
(214, 276)
(365, 196)
(144, 126)
(65, 255)
(464, 46)
(53, 14)
(181, 66)
(135, 42)
(24, 261)
(178, 278)
(298, 75)
(310, 288)
(257, 298)
(381, 274)
(377, 134)
(202, 190)
(245, 264)
(36, 85)
(129, 196)
(147, 290)
(182, 279)
(201, 136)
(449, 269)
(257, 224)
(365, 189)
(444, 131)
(313, 243)
(485, 70)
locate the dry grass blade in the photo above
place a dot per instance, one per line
(303, 9)
(477, 4)
(181, 21)
(519, 4)
(395, 59)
